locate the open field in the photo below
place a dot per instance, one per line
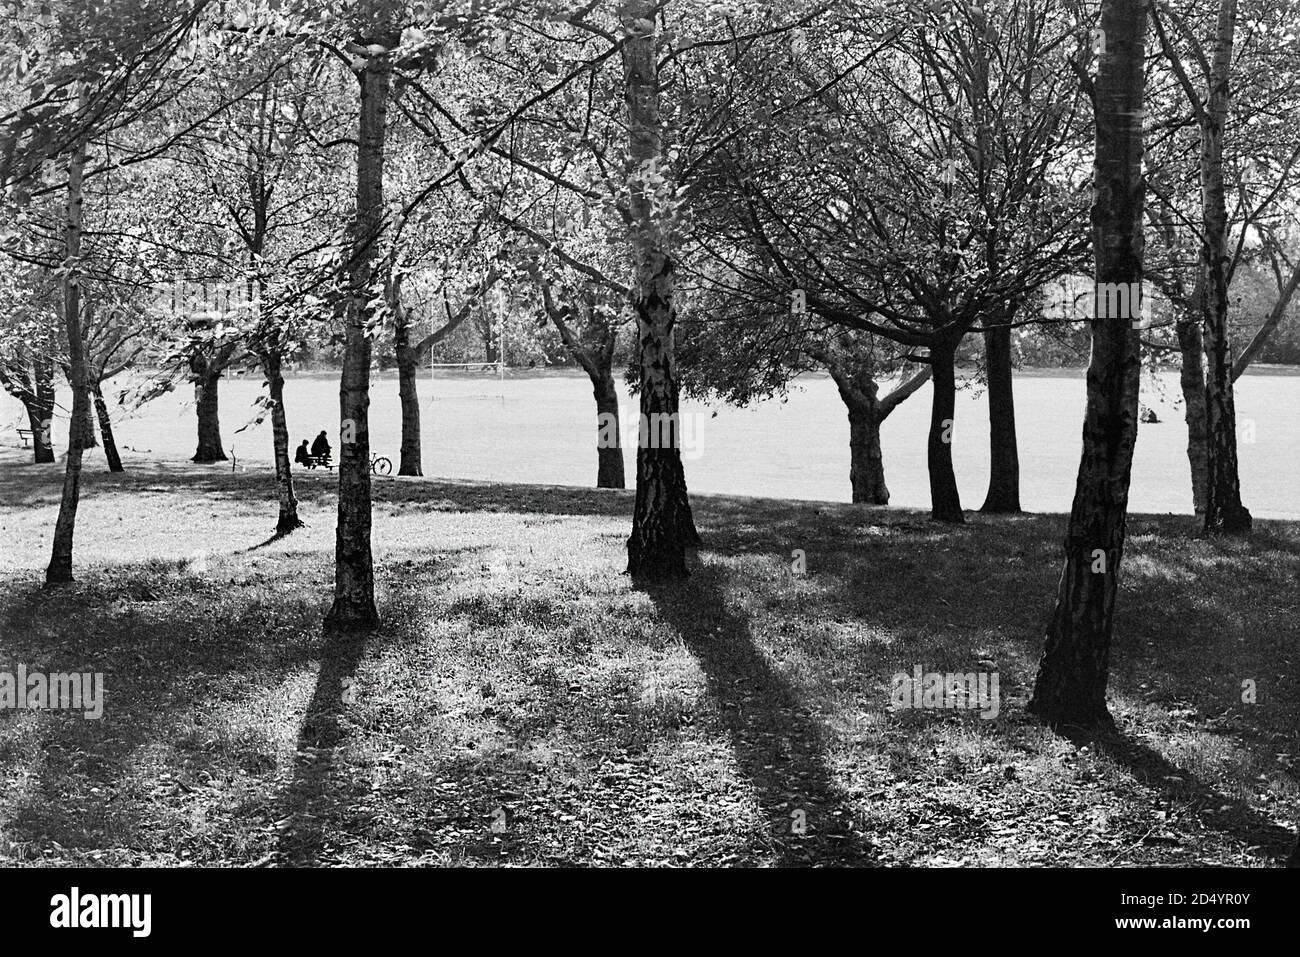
(541, 428)
(520, 680)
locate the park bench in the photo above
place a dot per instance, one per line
(26, 436)
(316, 462)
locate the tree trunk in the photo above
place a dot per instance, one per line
(43, 428)
(866, 462)
(662, 524)
(60, 567)
(854, 377)
(407, 369)
(855, 381)
(945, 501)
(1271, 322)
(205, 399)
(1224, 512)
(42, 449)
(106, 432)
(609, 442)
(35, 423)
(1070, 690)
(34, 388)
(272, 365)
(354, 575)
(88, 440)
(594, 350)
(1191, 379)
(1004, 457)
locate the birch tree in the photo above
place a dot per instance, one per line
(354, 577)
(662, 524)
(1070, 689)
(60, 568)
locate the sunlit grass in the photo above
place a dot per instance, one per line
(521, 682)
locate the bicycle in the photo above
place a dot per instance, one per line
(380, 465)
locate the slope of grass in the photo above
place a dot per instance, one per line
(524, 703)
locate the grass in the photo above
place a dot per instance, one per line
(524, 703)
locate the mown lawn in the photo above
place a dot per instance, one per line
(524, 703)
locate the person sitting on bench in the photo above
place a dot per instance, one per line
(321, 449)
(302, 456)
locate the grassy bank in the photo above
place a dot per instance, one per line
(524, 703)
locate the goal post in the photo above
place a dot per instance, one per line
(501, 356)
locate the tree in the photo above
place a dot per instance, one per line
(271, 193)
(593, 344)
(913, 184)
(410, 352)
(28, 347)
(114, 279)
(378, 46)
(118, 292)
(1070, 689)
(113, 343)
(81, 69)
(1192, 218)
(60, 567)
(1187, 328)
(856, 372)
(208, 361)
(1277, 312)
(354, 577)
(1004, 454)
(739, 347)
(1224, 511)
(662, 524)
(557, 184)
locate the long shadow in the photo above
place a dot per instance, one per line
(36, 488)
(275, 537)
(777, 745)
(1214, 809)
(156, 670)
(159, 669)
(311, 795)
(316, 795)
(755, 519)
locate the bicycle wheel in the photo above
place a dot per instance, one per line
(381, 466)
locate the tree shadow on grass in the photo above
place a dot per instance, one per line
(275, 538)
(37, 489)
(778, 746)
(1212, 808)
(172, 658)
(317, 797)
(311, 793)
(158, 670)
